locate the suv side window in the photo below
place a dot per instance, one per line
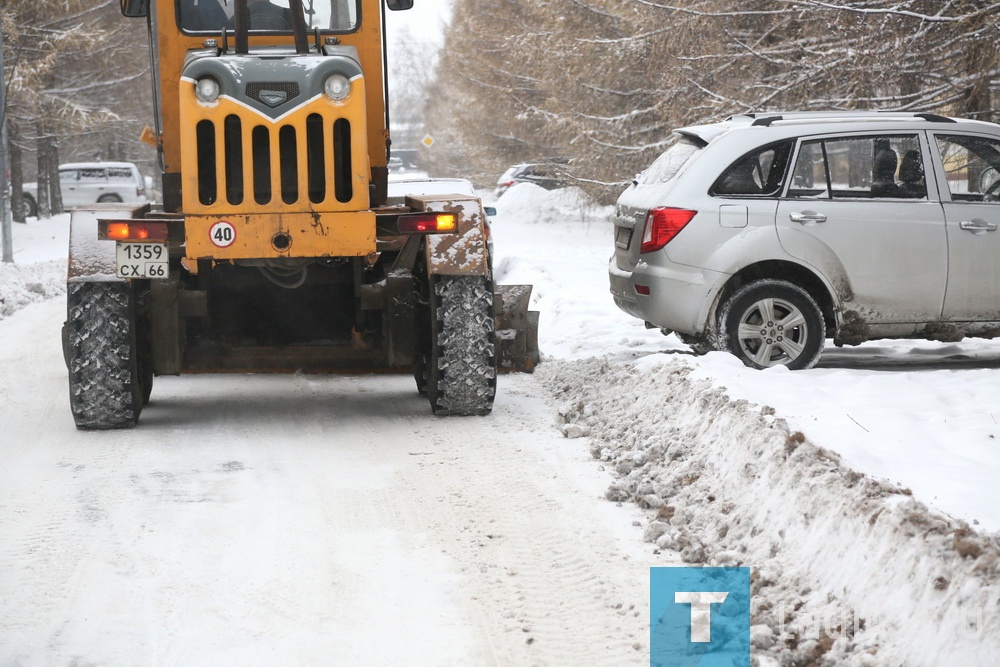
(760, 173)
(69, 174)
(972, 165)
(94, 174)
(809, 177)
(120, 173)
(875, 167)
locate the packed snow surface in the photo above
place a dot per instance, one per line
(862, 493)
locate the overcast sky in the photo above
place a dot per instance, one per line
(425, 22)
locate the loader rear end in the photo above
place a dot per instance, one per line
(278, 247)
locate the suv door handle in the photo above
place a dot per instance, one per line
(807, 217)
(977, 225)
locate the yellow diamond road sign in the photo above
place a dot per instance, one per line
(428, 140)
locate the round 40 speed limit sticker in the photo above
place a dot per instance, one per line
(223, 234)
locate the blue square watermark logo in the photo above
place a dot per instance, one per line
(699, 617)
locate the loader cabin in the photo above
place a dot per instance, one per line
(217, 158)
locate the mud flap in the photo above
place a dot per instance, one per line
(516, 329)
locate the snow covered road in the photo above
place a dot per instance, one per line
(303, 520)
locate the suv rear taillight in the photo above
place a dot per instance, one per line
(662, 225)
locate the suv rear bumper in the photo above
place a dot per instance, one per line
(679, 299)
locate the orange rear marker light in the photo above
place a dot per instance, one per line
(118, 231)
(446, 223)
(122, 230)
(427, 222)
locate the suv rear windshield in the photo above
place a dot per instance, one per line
(267, 15)
(669, 164)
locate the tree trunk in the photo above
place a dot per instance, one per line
(18, 210)
(55, 189)
(980, 58)
(115, 151)
(42, 191)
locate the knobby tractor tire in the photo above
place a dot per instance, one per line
(462, 365)
(105, 388)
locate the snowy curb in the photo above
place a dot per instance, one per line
(845, 569)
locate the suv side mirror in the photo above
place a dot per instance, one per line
(394, 5)
(137, 8)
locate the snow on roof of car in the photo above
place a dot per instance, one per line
(96, 165)
(402, 187)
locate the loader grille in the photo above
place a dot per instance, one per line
(286, 164)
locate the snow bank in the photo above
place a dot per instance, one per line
(527, 202)
(23, 285)
(39, 268)
(844, 568)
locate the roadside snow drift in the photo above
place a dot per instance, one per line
(21, 285)
(843, 566)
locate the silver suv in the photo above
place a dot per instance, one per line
(85, 183)
(768, 233)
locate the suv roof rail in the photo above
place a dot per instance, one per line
(935, 118)
(766, 119)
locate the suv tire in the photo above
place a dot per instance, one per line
(109, 199)
(770, 323)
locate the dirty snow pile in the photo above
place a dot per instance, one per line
(34, 275)
(21, 285)
(844, 567)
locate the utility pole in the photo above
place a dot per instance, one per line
(5, 213)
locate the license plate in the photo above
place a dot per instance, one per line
(623, 237)
(142, 260)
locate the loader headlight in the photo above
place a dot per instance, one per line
(337, 87)
(207, 89)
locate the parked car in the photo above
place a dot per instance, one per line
(545, 174)
(85, 183)
(768, 233)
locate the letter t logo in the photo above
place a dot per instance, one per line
(701, 611)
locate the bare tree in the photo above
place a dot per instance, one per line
(75, 69)
(600, 83)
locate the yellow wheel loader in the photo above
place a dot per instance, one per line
(278, 246)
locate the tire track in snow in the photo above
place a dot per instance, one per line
(536, 565)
